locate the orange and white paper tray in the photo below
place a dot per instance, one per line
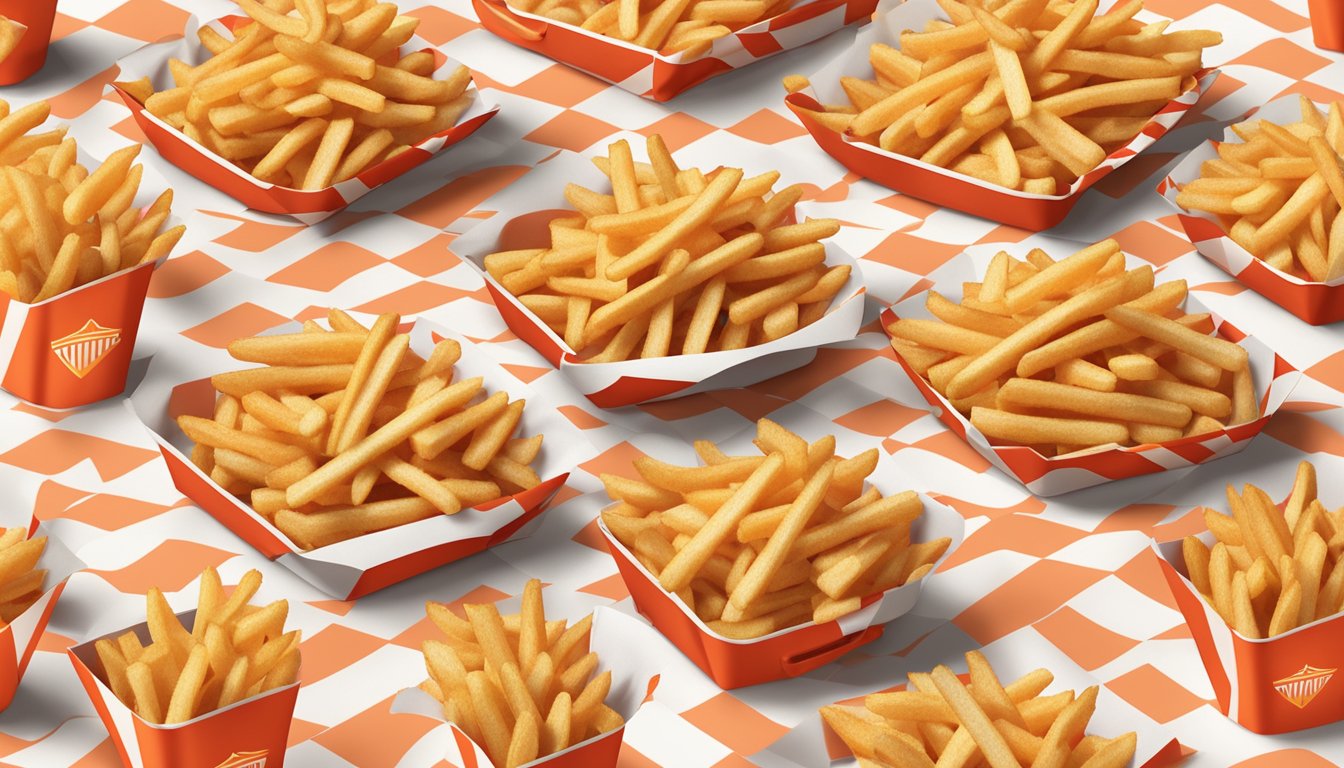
(623, 644)
(177, 383)
(252, 733)
(941, 186)
(75, 348)
(308, 206)
(1048, 476)
(648, 73)
(1267, 685)
(813, 745)
(1316, 303)
(33, 20)
(521, 214)
(800, 649)
(19, 638)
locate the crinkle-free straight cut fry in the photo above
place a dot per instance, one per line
(941, 720)
(1026, 94)
(310, 96)
(233, 651)
(10, 34)
(64, 226)
(1271, 570)
(520, 686)
(674, 261)
(756, 544)
(21, 581)
(1278, 193)
(346, 431)
(1076, 353)
(686, 27)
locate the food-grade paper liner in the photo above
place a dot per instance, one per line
(623, 644)
(1316, 303)
(1048, 476)
(1269, 685)
(522, 212)
(308, 206)
(796, 650)
(252, 733)
(942, 186)
(178, 383)
(648, 73)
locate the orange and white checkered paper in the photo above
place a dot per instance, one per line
(19, 638)
(660, 77)
(943, 186)
(626, 646)
(521, 213)
(177, 383)
(1051, 475)
(308, 206)
(1315, 303)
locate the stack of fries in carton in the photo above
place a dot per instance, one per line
(940, 720)
(1271, 571)
(1026, 94)
(232, 652)
(686, 27)
(674, 261)
(1077, 353)
(1278, 193)
(756, 544)
(63, 225)
(21, 581)
(520, 686)
(346, 431)
(311, 96)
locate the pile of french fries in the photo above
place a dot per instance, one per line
(1270, 570)
(311, 96)
(520, 686)
(344, 432)
(10, 34)
(940, 720)
(63, 225)
(233, 651)
(1026, 94)
(1278, 193)
(688, 27)
(756, 544)
(21, 581)
(1078, 353)
(674, 261)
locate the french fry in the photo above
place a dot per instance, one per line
(345, 432)
(938, 717)
(518, 719)
(21, 581)
(676, 268)
(1078, 353)
(1290, 564)
(761, 536)
(232, 652)
(976, 96)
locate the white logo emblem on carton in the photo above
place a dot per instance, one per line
(255, 759)
(84, 349)
(1302, 686)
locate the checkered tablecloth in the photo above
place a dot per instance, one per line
(1075, 570)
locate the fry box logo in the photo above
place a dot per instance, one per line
(245, 760)
(84, 349)
(1302, 686)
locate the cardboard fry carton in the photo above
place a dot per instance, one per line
(1269, 685)
(177, 383)
(625, 645)
(942, 186)
(660, 77)
(1315, 303)
(523, 212)
(1327, 24)
(252, 733)
(33, 20)
(18, 638)
(308, 206)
